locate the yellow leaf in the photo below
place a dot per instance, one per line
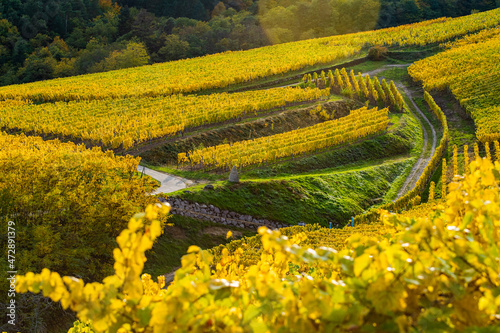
(155, 229)
(360, 263)
(193, 248)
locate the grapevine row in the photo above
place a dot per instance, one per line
(471, 70)
(362, 88)
(358, 124)
(127, 122)
(68, 202)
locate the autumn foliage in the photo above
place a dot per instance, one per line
(470, 70)
(437, 270)
(68, 202)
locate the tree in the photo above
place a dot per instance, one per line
(59, 49)
(247, 33)
(40, 65)
(134, 55)
(219, 9)
(104, 28)
(92, 54)
(198, 37)
(185, 8)
(366, 14)
(144, 27)
(66, 67)
(279, 24)
(124, 21)
(9, 36)
(22, 49)
(173, 49)
(165, 26)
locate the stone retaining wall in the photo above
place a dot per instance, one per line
(217, 215)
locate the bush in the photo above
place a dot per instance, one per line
(377, 53)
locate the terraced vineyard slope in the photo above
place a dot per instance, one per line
(470, 69)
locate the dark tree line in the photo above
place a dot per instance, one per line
(43, 39)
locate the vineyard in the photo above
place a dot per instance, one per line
(413, 197)
(384, 194)
(470, 69)
(191, 75)
(54, 190)
(315, 237)
(360, 123)
(446, 282)
(127, 122)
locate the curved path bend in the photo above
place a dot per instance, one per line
(425, 158)
(168, 183)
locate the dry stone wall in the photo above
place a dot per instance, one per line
(217, 215)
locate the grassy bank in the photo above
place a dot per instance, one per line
(316, 198)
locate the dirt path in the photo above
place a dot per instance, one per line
(168, 183)
(425, 158)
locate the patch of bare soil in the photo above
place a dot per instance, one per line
(220, 231)
(175, 232)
